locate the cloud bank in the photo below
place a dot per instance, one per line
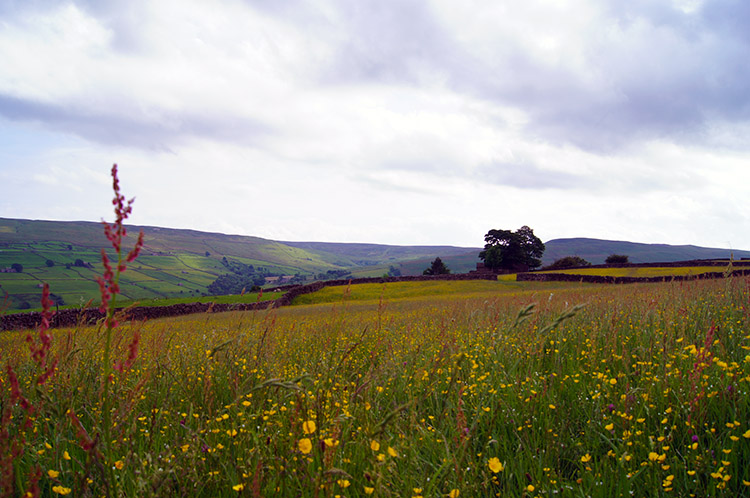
(397, 122)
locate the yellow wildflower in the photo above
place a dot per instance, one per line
(308, 426)
(495, 465)
(305, 445)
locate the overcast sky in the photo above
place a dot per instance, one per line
(397, 122)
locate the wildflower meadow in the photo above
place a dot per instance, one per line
(479, 389)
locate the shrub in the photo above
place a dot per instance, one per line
(614, 259)
(568, 262)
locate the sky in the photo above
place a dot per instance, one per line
(409, 122)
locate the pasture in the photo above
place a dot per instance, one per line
(407, 389)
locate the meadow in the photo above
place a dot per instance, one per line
(643, 272)
(407, 389)
(492, 391)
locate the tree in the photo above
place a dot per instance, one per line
(49, 263)
(437, 267)
(568, 262)
(17, 267)
(509, 250)
(614, 259)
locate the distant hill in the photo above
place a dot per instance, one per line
(596, 251)
(183, 263)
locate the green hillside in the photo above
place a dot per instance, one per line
(183, 263)
(596, 251)
(176, 263)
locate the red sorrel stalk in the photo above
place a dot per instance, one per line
(109, 286)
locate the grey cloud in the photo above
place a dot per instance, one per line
(526, 175)
(691, 73)
(145, 132)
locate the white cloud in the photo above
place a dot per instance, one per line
(396, 122)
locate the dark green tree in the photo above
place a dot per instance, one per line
(17, 267)
(568, 262)
(437, 267)
(49, 263)
(509, 250)
(614, 259)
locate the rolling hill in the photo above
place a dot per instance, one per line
(182, 263)
(596, 251)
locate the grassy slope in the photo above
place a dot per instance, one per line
(174, 263)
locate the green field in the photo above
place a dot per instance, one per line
(641, 272)
(446, 289)
(413, 389)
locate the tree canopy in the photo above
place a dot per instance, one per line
(613, 259)
(508, 250)
(568, 262)
(437, 267)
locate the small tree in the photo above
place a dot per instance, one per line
(49, 263)
(614, 259)
(568, 262)
(437, 268)
(17, 267)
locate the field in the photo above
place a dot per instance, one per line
(642, 272)
(427, 389)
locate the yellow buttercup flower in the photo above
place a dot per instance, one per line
(374, 445)
(495, 465)
(305, 445)
(308, 426)
(61, 490)
(586, 458)
(53, 473)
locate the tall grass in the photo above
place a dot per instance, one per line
(548, 390)
(641, 392)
